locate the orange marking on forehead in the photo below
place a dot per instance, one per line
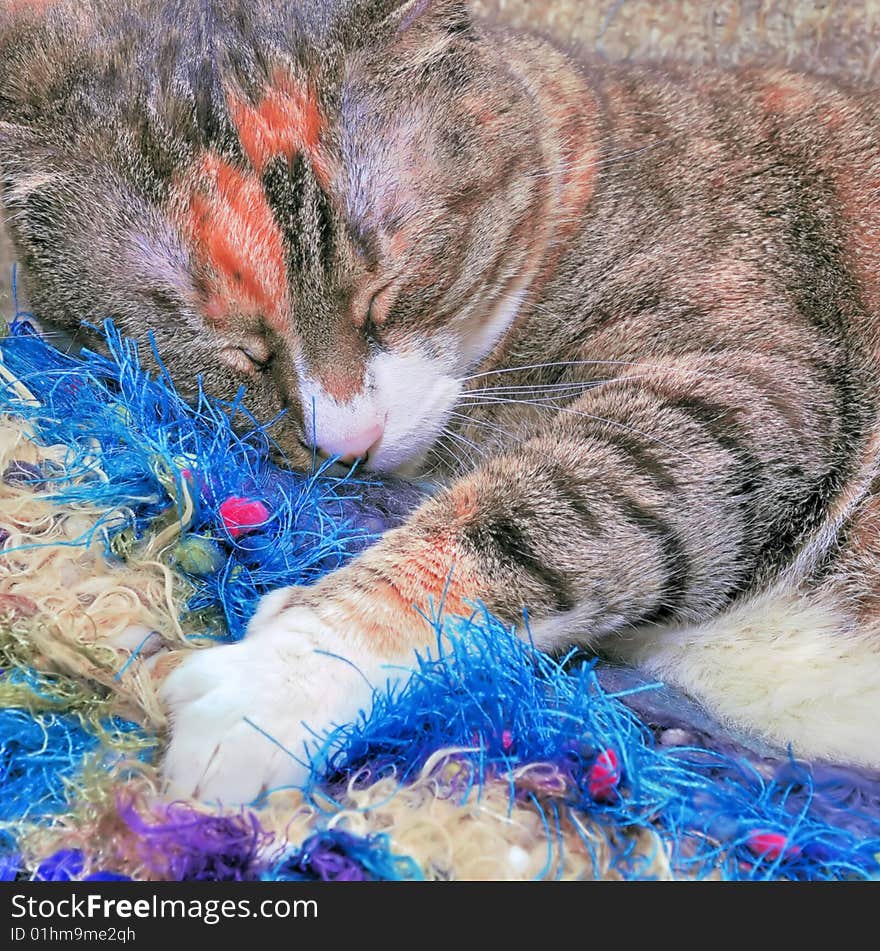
(287, 120)
(237, 244)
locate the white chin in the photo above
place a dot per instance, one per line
(396, 460)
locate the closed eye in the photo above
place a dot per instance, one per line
(380, 304)
(261, 361)
(371, 305)
(249, 360)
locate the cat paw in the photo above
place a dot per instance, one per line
(245, 716)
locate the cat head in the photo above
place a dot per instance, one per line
(333, 207)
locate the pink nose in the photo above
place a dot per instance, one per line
(354, 446)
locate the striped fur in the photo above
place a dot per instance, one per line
(636, 310)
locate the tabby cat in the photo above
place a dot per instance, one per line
(626, 317)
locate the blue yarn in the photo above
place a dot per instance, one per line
(483, 690)
(149, 440)
(10, 861)
(64, 866)
(338, 855)
(37, 754)
(508, 704)
(67, 865)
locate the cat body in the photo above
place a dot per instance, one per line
(626, 317)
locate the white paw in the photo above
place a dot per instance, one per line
(244, 716)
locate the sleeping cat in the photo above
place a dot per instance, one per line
(627, 317)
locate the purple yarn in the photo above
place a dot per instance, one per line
(22, 473)
(323, 858)
(64, 866)
(545, 780)
(335, 855)
(186, 845)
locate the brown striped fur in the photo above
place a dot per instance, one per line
(683, 416)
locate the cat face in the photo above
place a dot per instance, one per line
(340, 225)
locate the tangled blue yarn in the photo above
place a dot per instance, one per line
(155, 450)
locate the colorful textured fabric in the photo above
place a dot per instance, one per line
(132, 523)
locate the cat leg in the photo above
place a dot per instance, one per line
(641, 507)
(242, 714)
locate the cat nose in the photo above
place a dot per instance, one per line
(355, 446)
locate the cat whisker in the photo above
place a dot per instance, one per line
(486, 424)
(536, 388)
(586, 363)
(464, 441)
(555, 390)
(444, 453)
(599, 419)
(430, 471)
